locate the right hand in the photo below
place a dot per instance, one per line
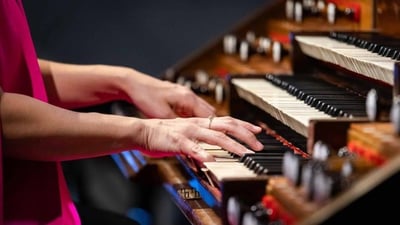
(167, 137)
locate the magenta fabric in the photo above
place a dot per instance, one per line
(32, 192)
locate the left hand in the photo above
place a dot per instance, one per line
(163, 99)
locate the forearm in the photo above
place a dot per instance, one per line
(73, 86)
(39, 131)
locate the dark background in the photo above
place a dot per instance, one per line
(147, 35)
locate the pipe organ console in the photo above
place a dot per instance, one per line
(322, 78)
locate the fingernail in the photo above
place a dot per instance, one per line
(249, 151)
(257, 128)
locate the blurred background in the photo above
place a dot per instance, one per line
(149, 36)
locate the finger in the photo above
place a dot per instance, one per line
(192, 106)
(241, 130)
(247, 137)
(221, 139)
(227, 120)
(253, 128)
(240, 123)
(203, 108)
(195, 151)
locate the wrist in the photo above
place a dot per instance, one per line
(124, 82)
(133, 83)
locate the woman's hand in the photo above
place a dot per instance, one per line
(163, 99)
(166, 137)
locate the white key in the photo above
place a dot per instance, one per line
(351, 57)
(280, 104)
